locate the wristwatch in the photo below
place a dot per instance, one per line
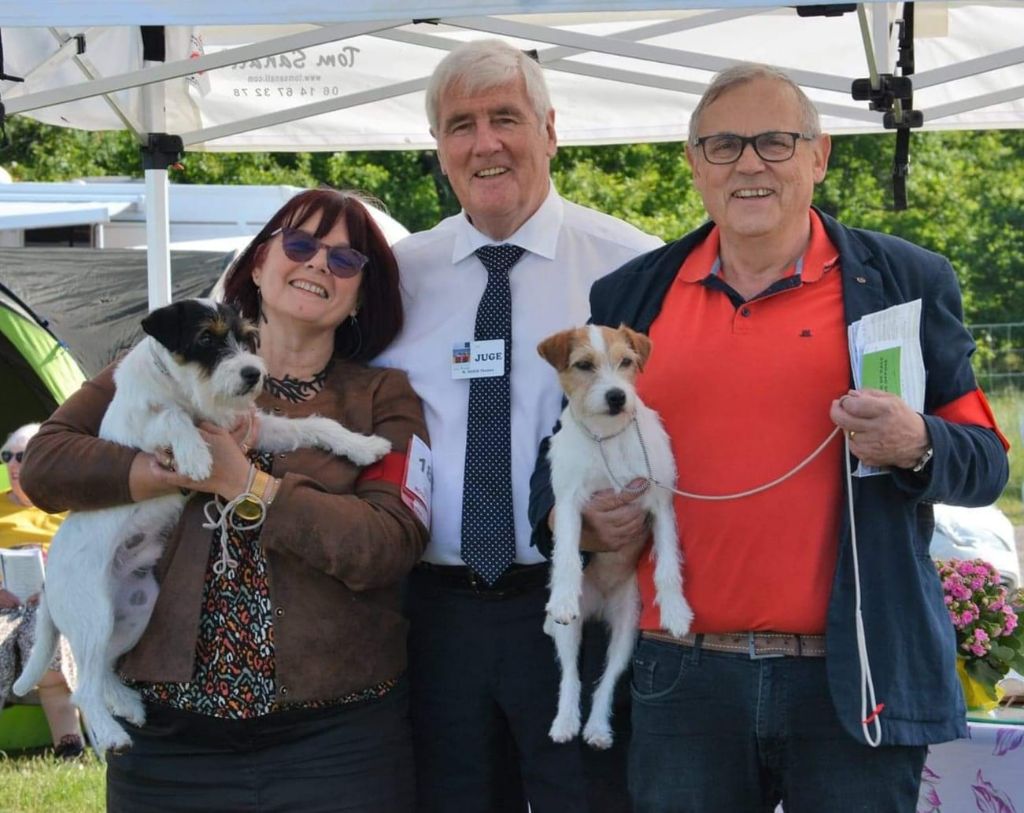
(922, 461)
(249, 509)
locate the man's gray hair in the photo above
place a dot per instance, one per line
(746, 72)
(20, 437)
(481, 65)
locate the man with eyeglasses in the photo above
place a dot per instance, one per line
(762, 701)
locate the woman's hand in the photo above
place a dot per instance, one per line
(230, 474)
(154, 475)
(149, 478)
(8, 601)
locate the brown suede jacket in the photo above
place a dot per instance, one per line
(337, 548)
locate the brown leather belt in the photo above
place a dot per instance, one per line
(752, 644)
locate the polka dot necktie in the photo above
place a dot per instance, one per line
(488, 526)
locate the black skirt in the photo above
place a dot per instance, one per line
(356, 759)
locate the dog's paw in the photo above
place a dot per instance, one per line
(365, 450)
(676, 615)
(565, 727)
(598, 734)
(126, 703)
(193, 460)
(563, 609)
(108, 736)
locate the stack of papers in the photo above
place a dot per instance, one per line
(885, 354)
(21, 571)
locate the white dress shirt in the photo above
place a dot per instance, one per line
(568, 247)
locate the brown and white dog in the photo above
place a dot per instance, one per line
(608, 438)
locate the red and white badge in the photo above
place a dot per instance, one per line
(418, 479)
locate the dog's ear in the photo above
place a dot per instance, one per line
(641, 344)
(165, 325)
(555, 349)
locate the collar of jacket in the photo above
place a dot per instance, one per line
(634, 293)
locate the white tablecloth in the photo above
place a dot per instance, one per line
(984, 773)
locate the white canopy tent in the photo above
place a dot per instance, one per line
(313, 75)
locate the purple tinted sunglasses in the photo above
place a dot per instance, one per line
(299, 246)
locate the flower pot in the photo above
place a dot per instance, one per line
(975, 696)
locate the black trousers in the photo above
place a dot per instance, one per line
(484, 682)
(345, 758)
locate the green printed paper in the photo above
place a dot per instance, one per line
(880, 370)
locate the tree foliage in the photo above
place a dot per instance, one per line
(966, 189)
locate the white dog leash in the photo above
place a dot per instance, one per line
(870, 708)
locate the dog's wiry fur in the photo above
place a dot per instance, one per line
(197, 363)
(597, 367)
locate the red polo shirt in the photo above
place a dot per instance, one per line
(744, 391)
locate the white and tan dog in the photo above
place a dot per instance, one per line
(608, 438)
(197, 363)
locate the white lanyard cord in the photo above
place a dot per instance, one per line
(220, 515)
(870, 708)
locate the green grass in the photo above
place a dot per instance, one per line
(41, 784)
(1008, 406)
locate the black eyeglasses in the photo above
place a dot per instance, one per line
(342, 261)
(7, 455)
(773, 146)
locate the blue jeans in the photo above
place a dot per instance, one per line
(717, 732)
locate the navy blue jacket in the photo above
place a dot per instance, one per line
(910, 639)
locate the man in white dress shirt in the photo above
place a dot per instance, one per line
(484, 675)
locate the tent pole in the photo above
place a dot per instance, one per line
(158, 239)
(158, 153)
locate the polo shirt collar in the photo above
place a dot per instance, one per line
(820, 255)
(538, 235)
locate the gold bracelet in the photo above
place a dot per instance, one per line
(265, 483)
(275, 484)
(259, 484)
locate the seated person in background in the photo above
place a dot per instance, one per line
(22, 524)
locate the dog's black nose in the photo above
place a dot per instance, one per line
(251, 376)
(616, 400)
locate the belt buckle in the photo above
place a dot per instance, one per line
(759, 656)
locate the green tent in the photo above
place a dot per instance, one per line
(36, 371)
(36, 374)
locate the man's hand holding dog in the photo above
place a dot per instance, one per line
(882, 428)
(612, 520)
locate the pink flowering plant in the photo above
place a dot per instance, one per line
(987, 618)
